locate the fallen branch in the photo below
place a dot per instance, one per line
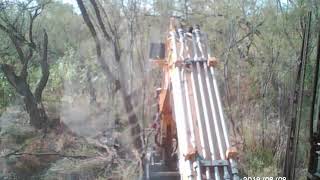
(47, 154)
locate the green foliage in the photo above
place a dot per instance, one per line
(63, 70)
(64, 33)
(63, 28)
(7, 95)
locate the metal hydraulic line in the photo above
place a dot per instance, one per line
(184, 165)
(206, 84)
(195, 48)
(203, 130)
(185, 97)
(191, 104)
(233, 163)
(221, 142)
(191, 98)
(198, 40)
(199, 118)
(206, 119)
(187, 128)
(219, 107)
(186, 92)
(202, 100)
(182, 44)
(214, 109)
(188, 113)
(186, 103)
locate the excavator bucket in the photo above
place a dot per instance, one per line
(193, 134)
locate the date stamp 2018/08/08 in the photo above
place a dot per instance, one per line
(264, 178)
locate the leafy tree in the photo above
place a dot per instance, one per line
(17, 20)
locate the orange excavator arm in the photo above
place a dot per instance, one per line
(193, 135)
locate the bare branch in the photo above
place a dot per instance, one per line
(108, 19)
(250, 33)
(18, 48)
(46, 154)
(10, 74)
(101, 24)
(93, 32)
(113, 29)
(13, 32)
(44, 69)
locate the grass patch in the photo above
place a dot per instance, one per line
(260, 162)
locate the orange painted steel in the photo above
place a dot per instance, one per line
(189, 107)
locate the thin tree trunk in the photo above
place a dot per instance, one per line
(120, 83)
(92, 90)
(135, 128)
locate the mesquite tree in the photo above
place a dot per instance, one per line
(17, 24)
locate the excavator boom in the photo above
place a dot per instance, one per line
(193, 133)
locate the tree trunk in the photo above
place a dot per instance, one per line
(38, 117)
(133, 120)
(37, 114)
(92, 90)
